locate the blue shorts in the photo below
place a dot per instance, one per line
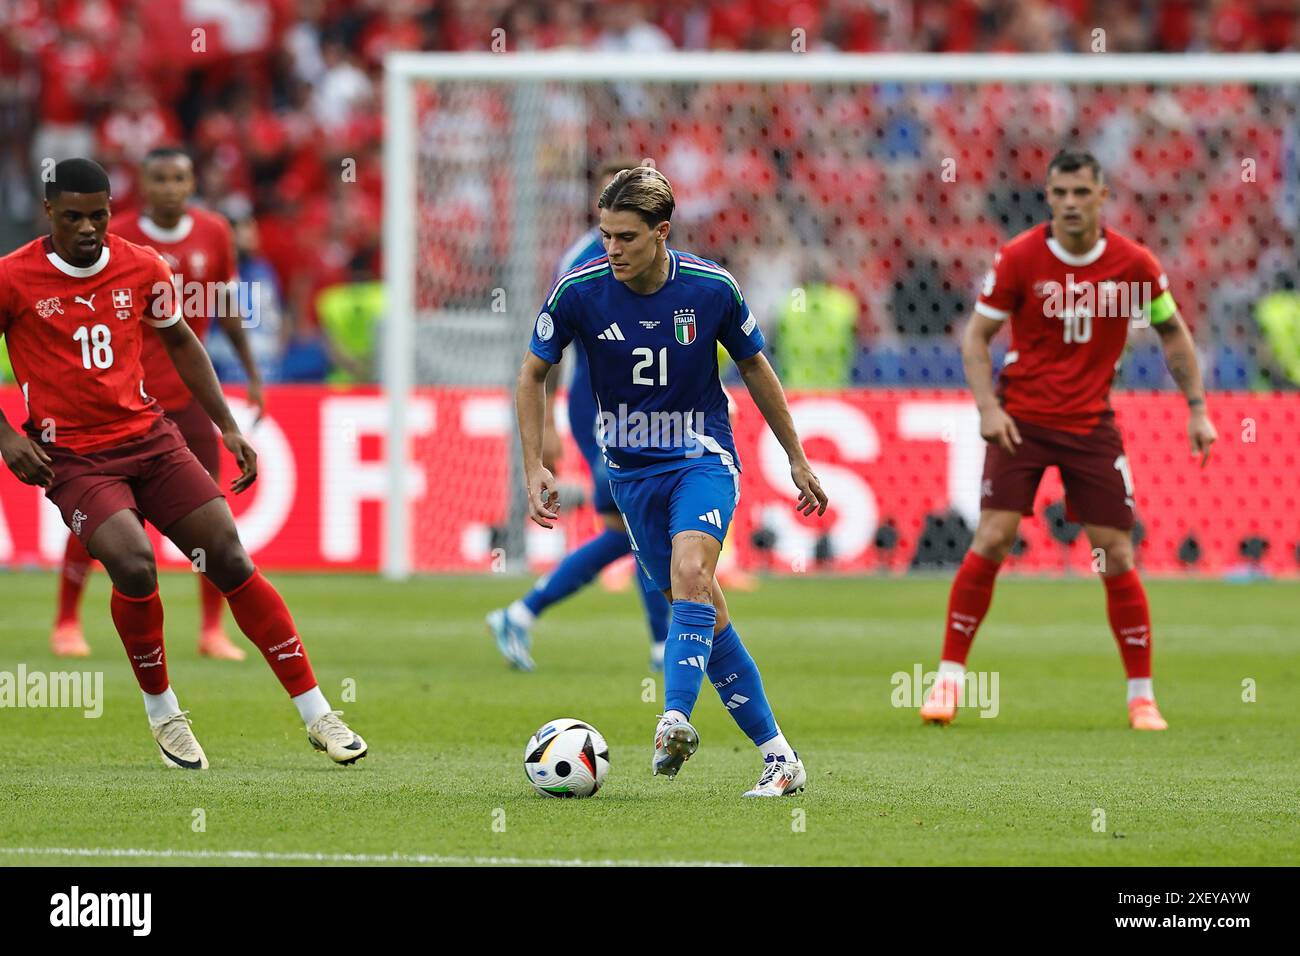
(699, 497)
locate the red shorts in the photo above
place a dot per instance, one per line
(155, 475)
(200, 434)
(1094, 470)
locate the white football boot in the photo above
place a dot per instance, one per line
(780, 778)
(328, 733)
(513, 640)
(177, 744)
(675, 741)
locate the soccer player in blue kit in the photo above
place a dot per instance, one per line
(511, 625)
(650, 319)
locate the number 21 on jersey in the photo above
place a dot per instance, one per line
(647, 360)
(96, 345)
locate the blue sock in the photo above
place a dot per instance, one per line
(735, 675)
(577, 569)
(686, 654)
(656, 614)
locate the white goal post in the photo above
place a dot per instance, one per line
(503, 335)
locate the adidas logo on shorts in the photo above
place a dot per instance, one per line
(713, 517)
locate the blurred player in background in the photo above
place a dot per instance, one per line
(650, 319)
(511, 626)
(73, 310)
(199, 248)
(1070, 288)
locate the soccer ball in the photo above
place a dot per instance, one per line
(566, 758)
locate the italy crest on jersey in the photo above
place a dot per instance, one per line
(684, 325)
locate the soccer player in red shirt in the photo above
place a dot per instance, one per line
(73, 307)
(1069, 288)
(199, 248)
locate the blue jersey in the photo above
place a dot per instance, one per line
(653, 360)
(582, 403)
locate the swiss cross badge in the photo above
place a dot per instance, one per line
(121, 298)
(47, 307)
(684, 325)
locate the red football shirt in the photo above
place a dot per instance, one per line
(1070, 317)
(74, 337)
(201, 252)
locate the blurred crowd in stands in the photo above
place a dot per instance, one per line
(837, 193)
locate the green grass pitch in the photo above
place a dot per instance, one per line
(447, 723)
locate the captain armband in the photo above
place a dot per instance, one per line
(1162, 308)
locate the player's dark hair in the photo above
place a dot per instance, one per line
(642, 190)
(77, 176)
(164, 152)
(1073, 160)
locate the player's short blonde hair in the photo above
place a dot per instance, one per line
(642, 190)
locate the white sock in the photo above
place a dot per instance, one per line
(161, 706)
(519, 615)
(778, 747)
(1141, 687)
(952, 669)
(311, 705)
(674, 715)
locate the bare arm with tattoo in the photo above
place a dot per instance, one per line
(1180, 357)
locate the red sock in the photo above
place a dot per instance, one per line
(139, 622)
(972, 592)
(212, 603)
(1130, 620)
(261, 614)
(72, 579)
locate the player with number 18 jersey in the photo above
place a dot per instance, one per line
(74, 307)
(75, 336)
(198, 247)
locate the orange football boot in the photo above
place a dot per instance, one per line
(1144, 715)
(66, 640)
(214, 643)
(941, 706)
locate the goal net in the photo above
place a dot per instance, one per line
(858, 200)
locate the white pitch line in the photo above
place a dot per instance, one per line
(413, 859)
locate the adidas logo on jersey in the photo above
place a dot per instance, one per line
(612, 334)
(713, 517)
(693, 662)
(736, 700)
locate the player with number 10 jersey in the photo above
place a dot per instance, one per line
(1070, 289)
